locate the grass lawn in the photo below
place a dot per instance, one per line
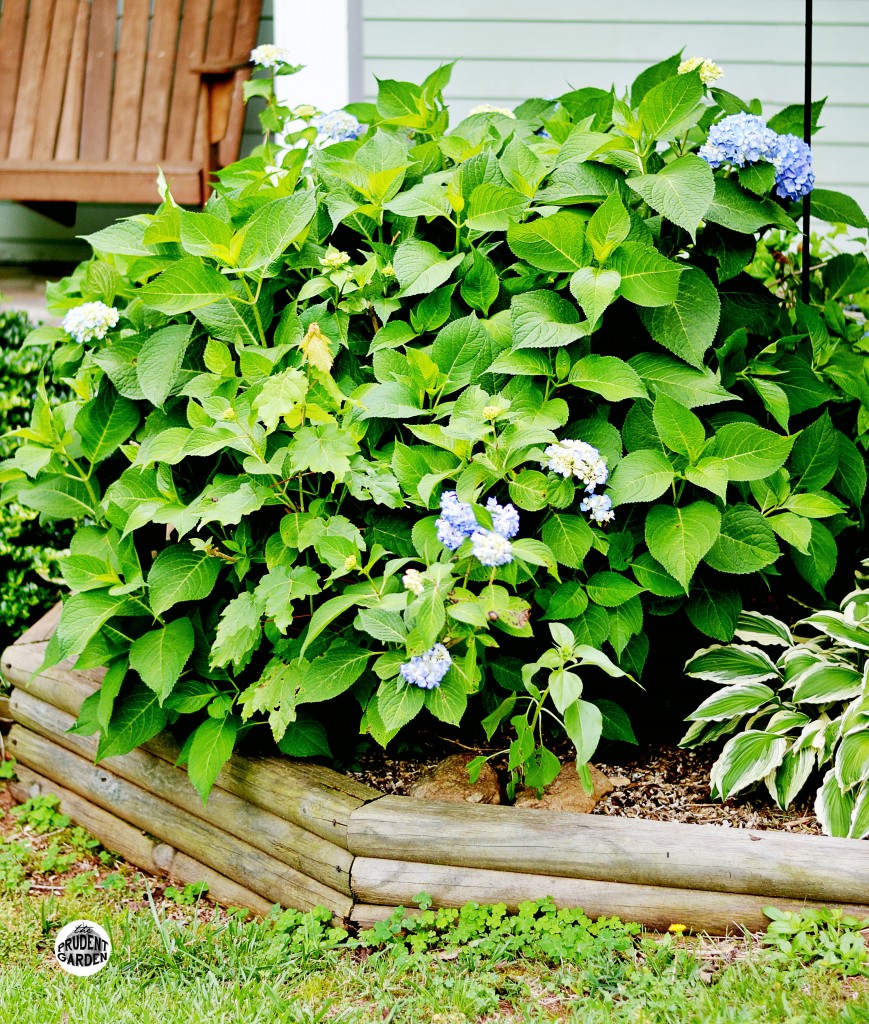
(177, 958)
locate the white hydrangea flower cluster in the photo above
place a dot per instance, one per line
(490, 548)
(90, 320)
(709, 71)
(599, 508)
(267, 55)
(488, 108)
(427, 670)
(580, 459)
(414, 581)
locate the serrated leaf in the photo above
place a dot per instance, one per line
(608, 227)
(555, 243)
(105, 423)
(608, 376)
(448, 701)
(679, 537)
(750, 452)
(279, 395)
(493, 207)
(398, 705)
(647, 277)
(542, 319)
(135, 720)
(481, 284)
(641, 476)
(681, 191)
(594, 288)
(278, 589)
(714, 612)
(184, 286)
(273, 228)
(680, 430)
(239, 633)
(160, 656)
(692, 387)
(666, 107)
(815, 454)
(745, 543)
(569, 538)
(687, 326)
(181, 574)
(610, 589)
(210, 749)
(421, 267)
(159, 362)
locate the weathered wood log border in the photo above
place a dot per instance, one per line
(279, 831)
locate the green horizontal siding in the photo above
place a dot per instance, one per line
(28, 237)
(508, 50)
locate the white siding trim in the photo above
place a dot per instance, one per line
(318, 34)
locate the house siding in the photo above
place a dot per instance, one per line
(511, 49)
(28, 237)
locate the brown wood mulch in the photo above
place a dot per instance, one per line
(670, 784)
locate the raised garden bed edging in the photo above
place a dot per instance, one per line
(279, 831)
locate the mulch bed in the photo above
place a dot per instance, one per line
(669, 785)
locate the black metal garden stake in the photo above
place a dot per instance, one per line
(807, 137)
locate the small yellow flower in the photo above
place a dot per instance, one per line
(388, 270)
(709, 71)
(492, 412)
(304, 111)
(334, 258)
(677, 929)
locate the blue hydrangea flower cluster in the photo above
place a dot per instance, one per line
(427, 670)
(457, 523)
(338, 126)
(741, 139)
(90, 320)
(794, 175)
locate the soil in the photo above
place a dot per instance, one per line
(670, 784)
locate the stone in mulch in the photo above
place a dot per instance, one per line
(566, 792)
(448, 782)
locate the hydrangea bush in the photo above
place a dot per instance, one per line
(416, 413)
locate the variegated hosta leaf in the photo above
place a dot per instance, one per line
(823, 683)
(735, 663)
(852, 758)
(834, 808)
(835, 625)
(756, 628)
(860, 818)
(707, 732)
(746, 758)
(785, 783)
(739, 699)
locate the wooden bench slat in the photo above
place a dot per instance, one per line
(187, 102)
(245, 39)
(162, 53)
(96, 182)
(13, 23)
(26, 120)
(69, 131)
(100, 66)
(129, 80)
(54, 81)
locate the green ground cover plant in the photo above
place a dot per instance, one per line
(416, 414)
(803, 713)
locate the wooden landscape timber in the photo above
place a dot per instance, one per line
(137, 847)
(299, 834)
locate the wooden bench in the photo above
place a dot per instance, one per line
(93, 102)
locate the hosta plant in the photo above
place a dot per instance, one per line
(407, 392)
(798, 703)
